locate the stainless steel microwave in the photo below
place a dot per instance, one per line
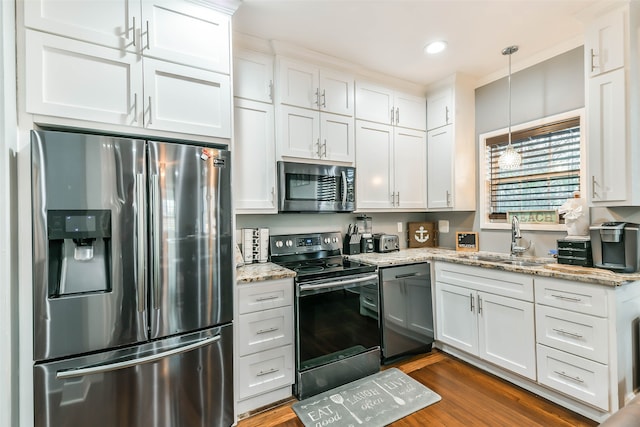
(304, 187)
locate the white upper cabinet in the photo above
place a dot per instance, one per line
(451, 146)
(379, 104)
(186, 33)
(605, 44)
(306, 85)
(99, 61)
(391, 174)
(252, 75)
(177, 31)
(612, 96)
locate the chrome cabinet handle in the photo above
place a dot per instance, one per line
(446, 114)
(593, 56)
(479, 305)
(564, 332)
(324, 149)
(270, 371)
(398, 195)
(148, 44)
(565, 375)
(448, 198)
(317, 101)
(397, 115)
(273, 196)
(318, 148)
(269, 298)
(150, 115)
(593, 187)
(471, 301)
(140, 242)
(90, 370)
(393, 199)
(155, 258)
(392, 115)
(324, 98)
(271, 90)
(134, 31)
(266, 331)
(566, 298)
(135, 108)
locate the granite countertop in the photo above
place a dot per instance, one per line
(545, 267)
(265, 271)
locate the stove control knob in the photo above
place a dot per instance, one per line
(279, 243)
(289, 243)
(327, 240)
(335, 240)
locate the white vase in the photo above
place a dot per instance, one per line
(578, 227)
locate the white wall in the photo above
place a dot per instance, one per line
(8, 206)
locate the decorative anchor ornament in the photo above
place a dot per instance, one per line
(420, 235)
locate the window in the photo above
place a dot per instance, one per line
(551, 168)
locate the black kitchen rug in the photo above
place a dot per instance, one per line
(373, 401)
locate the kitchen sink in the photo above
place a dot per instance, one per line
(521, 263)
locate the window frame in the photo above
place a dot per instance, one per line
(483, 178)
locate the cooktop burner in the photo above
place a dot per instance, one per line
(314, 256)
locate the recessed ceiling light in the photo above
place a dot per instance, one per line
(435, 47)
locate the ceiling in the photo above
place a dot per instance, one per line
(388, 37)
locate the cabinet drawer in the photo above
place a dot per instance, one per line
(265, 329)
(575, 333)
(513, 285)
(580, 297)
(265, 371)
(265, 295)
(575, 376)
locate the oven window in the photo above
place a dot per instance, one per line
(325, 188)
(337, 323)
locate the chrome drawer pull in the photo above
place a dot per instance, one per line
(266, 331)
(269, 298)
(270, 371)
(571, 334)
(564, 375)
(563, 297)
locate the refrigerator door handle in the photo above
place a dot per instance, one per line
(99, 369)
(140, 242)
(155, 257)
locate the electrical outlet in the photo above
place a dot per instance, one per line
(399, 227)
(443, 226)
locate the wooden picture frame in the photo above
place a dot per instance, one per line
(467, 241)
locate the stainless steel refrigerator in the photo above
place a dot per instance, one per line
(132, 282)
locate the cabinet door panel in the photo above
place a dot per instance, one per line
(108, 23)
(410, 175)
(68, 78)
(254, 156)
(374, 158)
(264, 330)
(336, 92)
(337, 137)
(185, 33)
(440, 109)
(457, 322)
(299, 132)
(605, 44)
(253, 76)
(607, 137)
(440, 168)
(507, 333)
(265, 371)
(186, 99)
(374, 103)
(411, 111)
(298, 84)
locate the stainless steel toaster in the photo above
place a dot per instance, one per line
(386, 243)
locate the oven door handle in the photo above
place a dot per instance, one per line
(338, 283)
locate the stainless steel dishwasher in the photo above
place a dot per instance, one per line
(407, 310)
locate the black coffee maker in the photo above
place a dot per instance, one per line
(614, 246)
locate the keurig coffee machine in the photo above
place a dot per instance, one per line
(614, 246)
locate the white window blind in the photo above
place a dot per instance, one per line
(550, 171)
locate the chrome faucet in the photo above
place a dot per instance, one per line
(516, 236)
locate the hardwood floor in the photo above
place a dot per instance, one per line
(470, 397)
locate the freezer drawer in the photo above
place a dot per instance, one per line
(185, 380)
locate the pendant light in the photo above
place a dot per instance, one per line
(510, 158)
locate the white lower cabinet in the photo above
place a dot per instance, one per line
(264, 343)
(476, 313)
